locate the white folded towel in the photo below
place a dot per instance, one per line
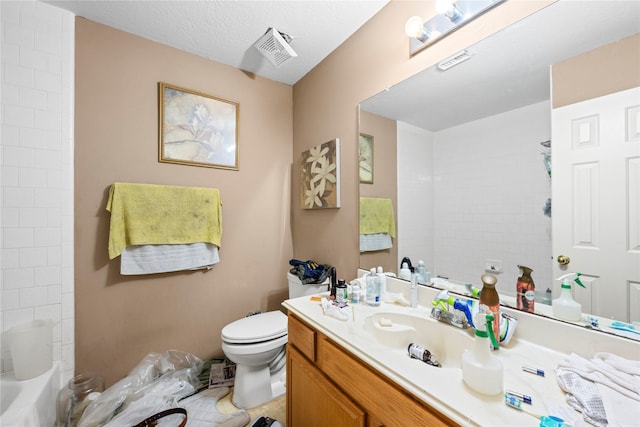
(150, 259)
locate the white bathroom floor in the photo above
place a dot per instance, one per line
(275, 409)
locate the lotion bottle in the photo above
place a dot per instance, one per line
(565, 307)
(481, 370)
(405, 272)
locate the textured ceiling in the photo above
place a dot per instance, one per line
(225, 31)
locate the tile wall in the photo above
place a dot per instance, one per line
(488, 189)
(37, 172)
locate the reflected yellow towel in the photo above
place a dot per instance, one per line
(376, 216)
(148, 214)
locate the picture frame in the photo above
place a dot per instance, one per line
(320, 176)
(365, 156)
(197, 129)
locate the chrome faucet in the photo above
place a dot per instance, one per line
(457, 316)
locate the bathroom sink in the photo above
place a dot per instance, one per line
(445, 342)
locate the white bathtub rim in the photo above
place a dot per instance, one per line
(23, 410)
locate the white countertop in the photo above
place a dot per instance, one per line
(443, 388)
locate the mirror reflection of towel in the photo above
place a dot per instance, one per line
(376, 216)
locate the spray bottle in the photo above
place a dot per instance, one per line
(490, 301)
(565, 307)
(525, 289)
(481, 370)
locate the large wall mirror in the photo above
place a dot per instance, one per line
(469, 158)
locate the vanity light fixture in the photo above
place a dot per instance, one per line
(451, 16)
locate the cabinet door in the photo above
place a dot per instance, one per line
(312, 401)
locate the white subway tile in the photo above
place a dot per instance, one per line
(49, 275)
(10, 95)
(17, 115)
(17, 278)
(47, 236)
(54, 217)
(16, 35)
(67, 305)
(49, 311)
(10, 12)
(33, 257)
(34, 20)
(33, 297)
(17, 317)
(46, 159)
(48, 197)
(10, 134)
(33, 59)
(54, 256)
(46, 43)
(17, 237)
(33, 98)
(48, 120)
(10, 299)
(34, 178)
(34, 138)
(17, 197)
(33, 217)
(10, 258)
(10, 176)
(54, 140)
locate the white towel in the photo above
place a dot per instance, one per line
(598, 371)
(150, 259)
(375, 242)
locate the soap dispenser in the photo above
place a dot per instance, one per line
(405, 272)
(481, 370)
(565, 307)
(424, 276)
(525, 290)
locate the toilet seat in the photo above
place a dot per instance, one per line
(257, 328)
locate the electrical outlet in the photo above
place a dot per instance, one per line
(493, 266)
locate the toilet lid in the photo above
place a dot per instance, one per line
(256, 328)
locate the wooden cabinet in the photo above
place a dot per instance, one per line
(327, 386)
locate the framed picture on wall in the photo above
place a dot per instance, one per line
(320, 176)
(365, 150)
(197, 129)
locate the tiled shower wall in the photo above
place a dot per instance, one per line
(487, 188)
(37, 172)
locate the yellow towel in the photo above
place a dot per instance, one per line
(147, 214)
(376, 216)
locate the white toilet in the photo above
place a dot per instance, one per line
(256, 344)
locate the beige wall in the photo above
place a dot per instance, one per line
(325, 106)
(119, 319)
(385, 174)
(581, 77)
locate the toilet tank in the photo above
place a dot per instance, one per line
(298, 289)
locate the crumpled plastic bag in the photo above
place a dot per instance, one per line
(341, 313)
(179, 372)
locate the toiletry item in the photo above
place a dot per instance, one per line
(522, 397)
(525, 290)
(341, 292)
(334, 283)
(517, 404)
(355, 293)
(405, 272)
(414, 290)
(565, 307)
(419, 352)
(373, 288)
(383, 283)
(532, 370)
(421, 271)
(481, 370)
(490, 301)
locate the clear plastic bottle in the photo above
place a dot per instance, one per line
(373, 288)
(383, 283)
(414, 290)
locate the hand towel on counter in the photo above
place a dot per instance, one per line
(376, 216)
(150, 259)
(148, 214)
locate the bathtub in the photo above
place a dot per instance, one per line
(30, 403)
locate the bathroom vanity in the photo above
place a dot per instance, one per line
(356, 372)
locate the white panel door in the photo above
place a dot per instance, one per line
(596, 201)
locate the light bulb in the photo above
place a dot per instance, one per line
(414, 28)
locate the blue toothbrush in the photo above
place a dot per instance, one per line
(624, 327)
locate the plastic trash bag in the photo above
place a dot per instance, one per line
(178, 372)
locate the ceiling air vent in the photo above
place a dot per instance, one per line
(451, 61)
(274, 46)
